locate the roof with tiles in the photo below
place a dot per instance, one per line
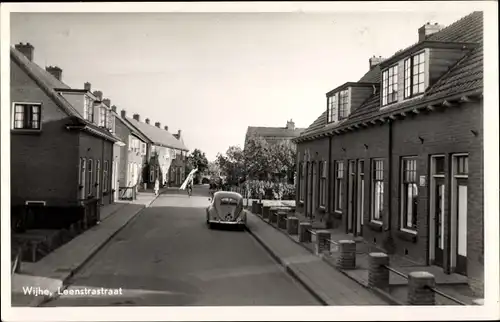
(466, 76)
(49, 83)
(157, 135)
(274, 131)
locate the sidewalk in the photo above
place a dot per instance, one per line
(52, 272)
(328, 285)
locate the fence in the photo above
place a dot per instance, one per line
(421, 284)
(127, 193)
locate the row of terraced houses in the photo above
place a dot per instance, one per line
(71, 149)
(396, 158)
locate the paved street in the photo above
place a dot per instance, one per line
(167, 256)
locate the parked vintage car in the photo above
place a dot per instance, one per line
(226, 208)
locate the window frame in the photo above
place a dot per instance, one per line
(105, 176)
(339, 181)
(90, 170)
(343, 104)
(403, 192)
(377, 175)
(410, 68)
(25, 106)
(391, 73)
(98, 177)
(82, 175)
(89, 109)
(322, 184)
(102, 116)
(332, 106)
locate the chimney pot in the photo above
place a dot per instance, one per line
(166, 128)
(374, 61)
(179, 133)
(123, 113)
(137, 117)
(427, 30)
(158, 124)
(27, 50)
(113, 108)
(54, 71)
(147, 121)
(87, 86)
(107, 102)
(98, 94)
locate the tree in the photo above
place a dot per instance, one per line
(197, 159)
(232, 165)
(258, 158)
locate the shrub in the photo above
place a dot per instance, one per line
(269, 190)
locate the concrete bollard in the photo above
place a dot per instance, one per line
(304, 232)
(292, 225)
(419, 292)
(254, 206)
(259, 208)
(265, 211)
(274, 217)
(282, 219)
(378, 275)
(322, 241)
(347, 258)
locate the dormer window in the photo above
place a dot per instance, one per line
(390, 85)
(343, 104)
(332, 108)
(88, 109)
(414, 75)
(103, 117)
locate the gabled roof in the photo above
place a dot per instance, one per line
(157, 136)
(131, 128)
(463, 78)
(281, 132)
(48, 83)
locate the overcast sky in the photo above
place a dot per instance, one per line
(212, 75)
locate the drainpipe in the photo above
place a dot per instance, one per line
(329, 188)
(389, 177)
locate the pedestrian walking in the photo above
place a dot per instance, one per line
(157, 187)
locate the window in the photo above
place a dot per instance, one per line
(174, 153)
(130, 142)
(105, 177)
(98, 177)
(88, 109)
(322, 184)
(81, 177)
(377, 190)
(343, 104)
(102, 117)
(462, 165)
(109, 120)
(143, 148)
(339, 177)
(151, 175)
(414, 75)
(390, 85)
(332, 108)
(89, 169)
(409, 194)
(301, 181)
(27, 116)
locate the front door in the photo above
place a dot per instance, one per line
(360, 197)
(461, 217)
(314, 200)
(309, 190)
(351, 207)
(439, 200)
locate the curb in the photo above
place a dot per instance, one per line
(291, 271)
(384, 295)
(46, 299)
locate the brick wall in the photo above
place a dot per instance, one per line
(44, 166)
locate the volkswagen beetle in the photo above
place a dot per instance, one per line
(226, 208)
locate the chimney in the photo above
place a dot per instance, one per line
(147, 121)
(107, 102)
(27, 50)
(166, 128)
(87, 86)
(137, 117)
(54, 71)
(290, 125)
(98, 94)
(374, 61)
(179, 134)
(158, 125)
(427, 30)
(123, 113)
(114, 108)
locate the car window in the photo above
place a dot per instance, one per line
(228, 201)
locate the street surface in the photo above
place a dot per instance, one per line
(168, 256)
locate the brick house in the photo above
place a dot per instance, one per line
(397, 157)
(165, 153)
(61, 147)
(274, 134)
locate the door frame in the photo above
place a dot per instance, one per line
(431, 214)
(351, 196)
(454, 212)
(360, 196)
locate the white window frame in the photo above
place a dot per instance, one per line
(102, 116)
(391, 73)
(323, 181)
(343, 104)
(82, 175)
(130, 142)
(13, 121)
(339, 183)
(373, 191)
(432, 208)
(143, 148)
(409, 68)
(98, 177)
(105, 176)
(90, 170)
(332, 102)
(88, 109)
(402, 210)
(301, 181)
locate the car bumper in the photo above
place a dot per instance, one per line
(235, 223)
